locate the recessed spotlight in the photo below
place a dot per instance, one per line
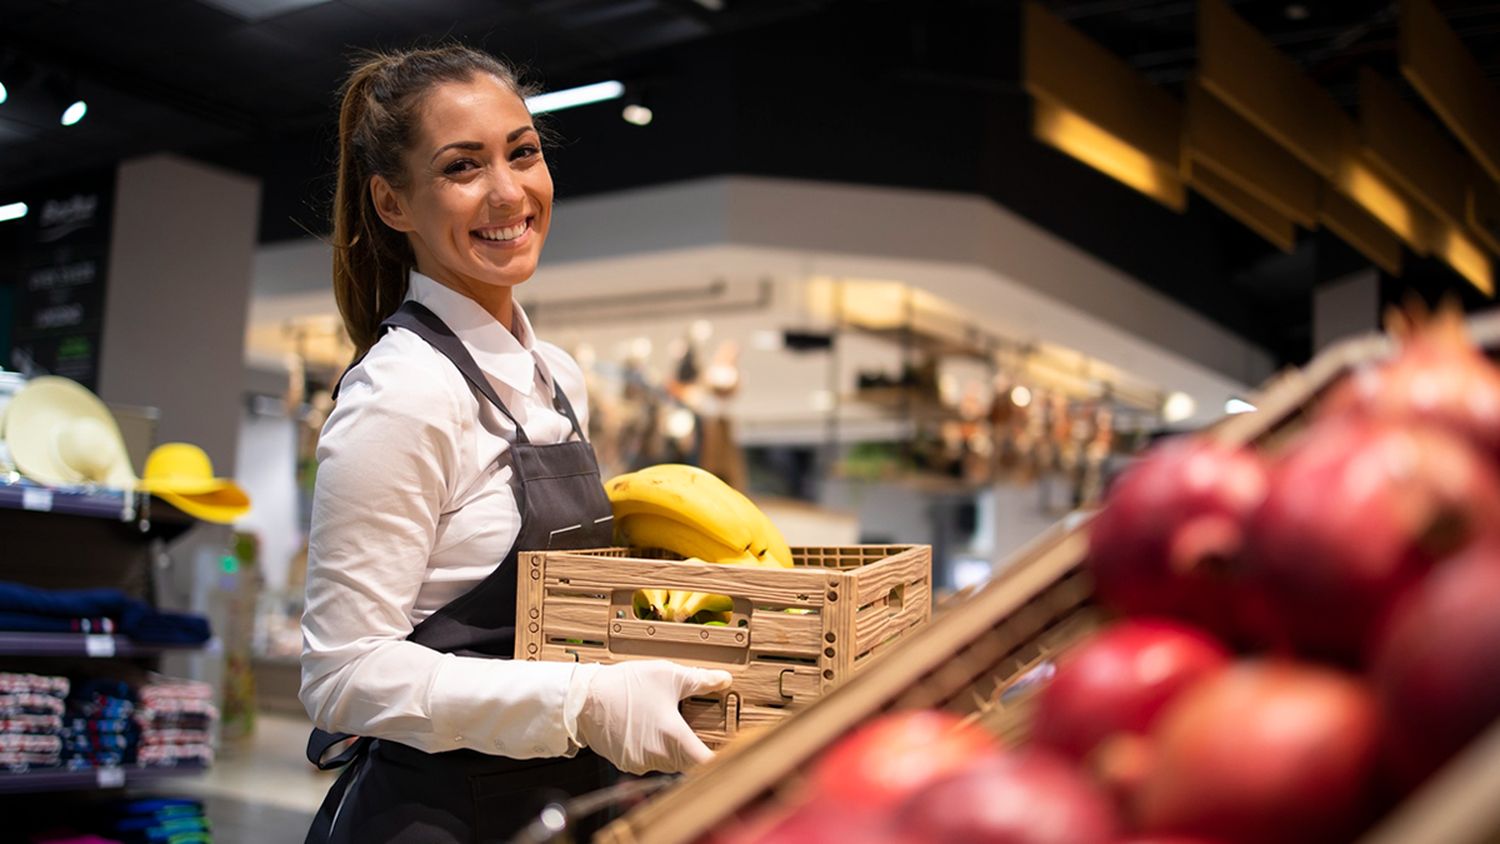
(636, 114)
(74, 113)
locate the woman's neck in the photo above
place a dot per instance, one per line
(494, 298)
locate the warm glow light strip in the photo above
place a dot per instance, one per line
(1218, 138)
(1258, 216)
(1095, 107)
(1072, 134)
(1237, 65)
(1434, 60)
(1409, 150)
(1361, 183)
(1466, 258)
(1340, 215)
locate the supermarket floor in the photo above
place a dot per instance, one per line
(261, 790)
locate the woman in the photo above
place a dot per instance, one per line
(455, 444)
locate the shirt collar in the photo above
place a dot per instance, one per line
(508, 356)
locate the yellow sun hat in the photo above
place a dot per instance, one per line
(60, 433)
(182, 475)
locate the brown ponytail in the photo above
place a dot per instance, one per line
(377, 125)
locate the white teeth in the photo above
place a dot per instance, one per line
(508, 233)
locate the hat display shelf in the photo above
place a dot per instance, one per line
(78, 536)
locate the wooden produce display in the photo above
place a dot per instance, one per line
(793, 635)
(973, 659)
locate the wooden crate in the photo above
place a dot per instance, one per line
(973, 655)
(793, 635)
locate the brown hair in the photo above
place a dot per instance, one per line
(377, 122)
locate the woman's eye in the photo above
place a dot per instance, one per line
(459, 166)
(524, 152)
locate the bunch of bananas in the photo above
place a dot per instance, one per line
(695, 515)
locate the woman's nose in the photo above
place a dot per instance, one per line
(505, 189)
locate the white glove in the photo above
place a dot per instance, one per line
(629, 714)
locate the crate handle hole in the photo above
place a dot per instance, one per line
(896, 598)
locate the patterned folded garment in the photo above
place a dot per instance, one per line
(162, 689)
(38, 683)
(175, 737)
(100, 726)
(42, 724)
(174, 754)
(29, 703)
(178, 706)
(27, 743)
(21, 761)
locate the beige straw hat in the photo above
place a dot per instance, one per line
(59, 433)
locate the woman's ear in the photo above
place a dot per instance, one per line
(389, 204)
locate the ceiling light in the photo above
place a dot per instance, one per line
(1020, 396)
(4, 94)
(636, 114)
(1178, 407)
(74, 113)
(571, 97)
(1237, 405)
(13, 211)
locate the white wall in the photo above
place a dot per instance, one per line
(179, 288)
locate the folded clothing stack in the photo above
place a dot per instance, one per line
(99, 729)
(32, 609)
(31, 709)
(156, 821)
(177, 723)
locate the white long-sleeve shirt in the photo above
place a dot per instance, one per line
(414, 505)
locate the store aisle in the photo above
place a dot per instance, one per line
(261, 790)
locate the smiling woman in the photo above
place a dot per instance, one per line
(454, 445)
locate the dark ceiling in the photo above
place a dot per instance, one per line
(917, 94)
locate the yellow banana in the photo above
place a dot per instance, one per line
(648, 530)
(692, 603)
(686, 494)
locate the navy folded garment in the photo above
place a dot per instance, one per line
(135, 618)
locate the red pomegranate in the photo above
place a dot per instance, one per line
(1119, 680)
(1358, 511)
(1031, 797)
(1264, 751)
(1437, 668)
(1171, 530)
(1438, 377)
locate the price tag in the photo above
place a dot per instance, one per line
(110, 777)
(99, 645)
(36, 499)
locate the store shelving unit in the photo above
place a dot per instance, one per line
(34, 782)
(93, 645)
(79, 537)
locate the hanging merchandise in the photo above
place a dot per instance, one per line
(182, 475)
(61, 434)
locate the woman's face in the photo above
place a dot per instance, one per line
(478, 196)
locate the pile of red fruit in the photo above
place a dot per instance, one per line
(1306, 635)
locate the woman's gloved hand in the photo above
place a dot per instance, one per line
(629, 714)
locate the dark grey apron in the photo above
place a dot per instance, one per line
(390, 792)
